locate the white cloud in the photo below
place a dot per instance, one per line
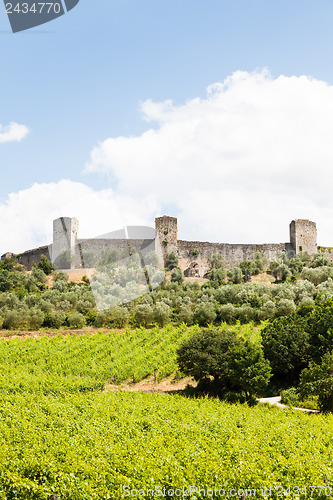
(13, 132)
(237, 165)
(26, 217)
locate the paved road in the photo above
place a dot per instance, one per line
(276, 402)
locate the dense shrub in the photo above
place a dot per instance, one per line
(177, 275)
(204, 313)
(118, 317)
(285, 344)
(185, 315)
(143, 315)
(162, 313)
(227, 313)
(76, 320)
(45, 265)
(15, 320)
(317, 380)
(171, 260)
(54, 319)
(222, 362)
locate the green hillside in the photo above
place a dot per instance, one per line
(89, 446)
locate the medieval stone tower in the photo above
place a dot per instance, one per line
(303, 236)
(166, 238)
(65, 231)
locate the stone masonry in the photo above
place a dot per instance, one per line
(194, 256)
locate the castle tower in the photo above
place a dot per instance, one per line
(65, 230)
(303, 236)
(165, 236)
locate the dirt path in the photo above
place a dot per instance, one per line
(167, 385)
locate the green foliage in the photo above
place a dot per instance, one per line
(217, 276)
(76, 320)
(39, 275)
(279, 269)
(317, 275)
(143, 315)
(89, 258)
(320, 331)
(320, 260)
(151, 259)
(235, 275)
(317, 380)
(177, 275)
(204, 313)
(7, 264)
(109, 257)
(45, 265)
(77, 363)
(89, 446)
(292, 397)
(227, 313)
(185, 315)
(285, 344)
(171, 260)
(217, 261)
(162, 314)
(222, 362)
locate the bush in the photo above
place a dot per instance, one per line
(245, 313)
(76, 320)
(217, 261)
(177, 275)
(39, 275)
(222, 362)
(117, 317)
(15, 320)
(143, 315)
(171, 260)
(317, 380)
(227, 313)
(285, 343)
(317, 275)
(217, 277)
(54, 319)
(285, 307)
(185, 315)
(204, 313)
(235, 275)
(267, 311)
(162, 313)
(35, 319)
(45, 265)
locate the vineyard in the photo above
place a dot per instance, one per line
(81, 363)
(61, 434)
(89, 446)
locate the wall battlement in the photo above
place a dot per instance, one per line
(194, 256)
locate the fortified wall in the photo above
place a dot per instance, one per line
(68, 251)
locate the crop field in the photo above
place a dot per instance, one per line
(91, 446)
(80, 363)
(61, 434)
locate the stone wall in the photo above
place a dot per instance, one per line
(197, 254)
(93, 249)
(192, 254)
(31, 257)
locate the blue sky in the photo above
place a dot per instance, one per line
(79, 80)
